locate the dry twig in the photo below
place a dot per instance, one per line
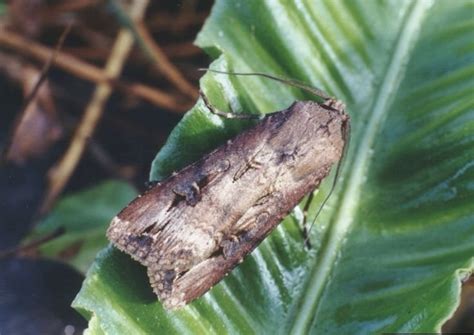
(88, 72)
(8, 153)
(162, 62)
(62, 171)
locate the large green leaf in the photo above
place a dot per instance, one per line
(3, 8)
(83, 218)
(396, 238)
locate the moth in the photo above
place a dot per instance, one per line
(192, 228)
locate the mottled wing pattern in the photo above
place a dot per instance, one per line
(194, 227)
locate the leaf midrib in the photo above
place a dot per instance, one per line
(344, 217)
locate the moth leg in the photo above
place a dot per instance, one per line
(335, 104)
(304, 229)
(226, 115)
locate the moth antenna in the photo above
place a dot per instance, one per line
(346, 135)
(291, 82)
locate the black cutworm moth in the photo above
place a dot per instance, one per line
(192, 228)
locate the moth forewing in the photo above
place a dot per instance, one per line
(194, 227)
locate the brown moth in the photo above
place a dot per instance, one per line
(192, 228)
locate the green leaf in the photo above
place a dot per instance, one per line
(397, 237)
(94, 327)
(84, 218)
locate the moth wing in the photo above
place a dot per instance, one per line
(177, 292)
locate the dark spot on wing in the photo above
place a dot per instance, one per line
(142, 241)
(168, 278)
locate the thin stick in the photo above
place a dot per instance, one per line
(183, 49)
(34, 91)
(33, 244)
(154, 96)
(152, 50)
(161, 61)
(87, 71)
(62, 171)
(46, 67)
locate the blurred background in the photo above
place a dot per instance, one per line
(89, 92)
